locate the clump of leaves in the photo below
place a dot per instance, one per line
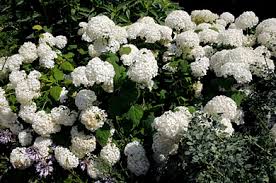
(207, 156)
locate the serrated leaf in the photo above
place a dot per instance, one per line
(55, 92)
(125, 50)
(102, 136)
(58, 74)
(135, 114)
(67, 66)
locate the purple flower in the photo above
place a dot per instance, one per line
(6, 136)
(33, 153)
(44, 167)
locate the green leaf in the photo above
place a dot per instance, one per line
(55, 92)
(37, 27)
(67, 66)
(69, 55)
(238, 97)
(102, 136)
(120, 71)
(125, 50)
(58, 74)
(135, 114)
(82, 52)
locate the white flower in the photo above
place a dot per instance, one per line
(208, 36)
(228, 128)
(203, 26)
(28, 51)
(239, 71)
(249, 40)
(144, 68)
(14, 62)
(42, 144)
(188, 39)
(99, 27)
(128, 59)
(60, 41)
(63, 95)
(66, 158)
(85, 99)
(246, 20)
(3, 68)
(82, 144)
(46, 56)
(268, 38)
(16, 77)
(47, 38)
(27, 112)
(147, 29)
(197, 52)
(19, 158)
(43, 124)
(265, 24)
(137, 161)
(63, 116)
(25, 138)
(179, 20)
(83, 32)
(200, 66)
(200, 16)
(231, 37)
(79, 77)
(228, 17)
(221, 22)
(110, 153)
(172, 124)
(222, 105)
(93, 118)
(163, 147)
(99, 71)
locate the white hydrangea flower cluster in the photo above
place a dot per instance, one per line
(8, 119)
(26, 87)
(179, 20)
(43, 145)
(147, 29)
(100, 72)
(104, 34)
(93, 118)
(85, 98)
(226, 107)
(63, 116)
(137, 161)
(231, 37)
(20, 159)
(110, 153)
(170, 127)
(241, 63)
(246, 20)
(66, 158)
(44, 50)
(222, 105)
(25, 138)
(143, 68)
(200, 66)
(200, 16)
(81, 144)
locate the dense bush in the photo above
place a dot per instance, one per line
(135, 91)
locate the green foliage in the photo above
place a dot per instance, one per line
(55, 92)
(135, 114)
(208, 156)
(102, 135)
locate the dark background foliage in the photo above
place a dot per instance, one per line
(262, 8)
